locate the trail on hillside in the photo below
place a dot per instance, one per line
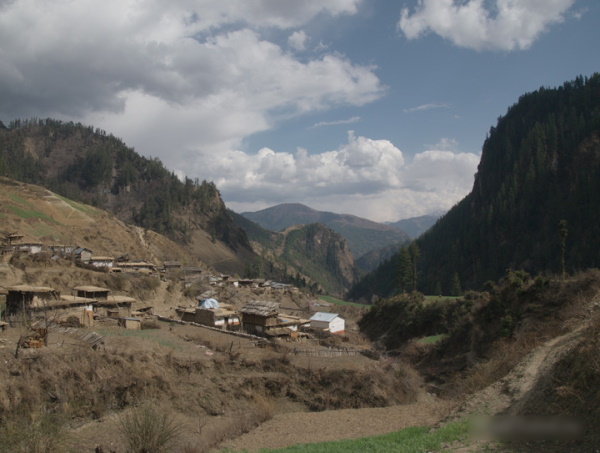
(510, 393)
(506, 396)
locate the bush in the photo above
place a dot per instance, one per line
(44, 434)
(148, 429)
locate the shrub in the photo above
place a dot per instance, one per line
(148, 429)
(44, 434)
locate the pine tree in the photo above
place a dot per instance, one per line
(455, 288)
(404, 270)
(562, 227)
(415, 252)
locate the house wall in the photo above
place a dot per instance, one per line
(337, 325)
(98, 295)
(15, 300)
(259, 320)
(85, 256)
(205, 317)
(323, 325)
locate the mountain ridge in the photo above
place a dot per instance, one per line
(362, 235)
(534, 202)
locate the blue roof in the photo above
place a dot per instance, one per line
(325, 317)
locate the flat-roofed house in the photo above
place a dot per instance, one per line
(92, 292)
(25, 297)
(263, 318)
(106, 262)
(211, 313)
(138, 266)
(31, 247)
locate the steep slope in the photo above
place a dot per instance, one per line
(97, 168)
(309, 255)
(318, 251)
(361, 234)
(43, 216)
(539, 166)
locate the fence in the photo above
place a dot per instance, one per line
(330, 352)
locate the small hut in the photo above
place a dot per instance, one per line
(116, 306)
(258, 316)
(92, 292)
(25, 297)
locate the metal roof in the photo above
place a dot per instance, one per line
(324, 317)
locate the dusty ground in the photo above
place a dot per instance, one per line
(309, 427)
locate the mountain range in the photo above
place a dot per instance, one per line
(362, 235)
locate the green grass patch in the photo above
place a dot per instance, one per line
(79, 206)
(17, 199)
(333, 300)
(416, 439)
(31, 214)
(433, 339)
(45, 230)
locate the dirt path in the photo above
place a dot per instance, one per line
(512, 392)
(307, 427)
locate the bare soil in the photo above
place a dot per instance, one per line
(292, 428)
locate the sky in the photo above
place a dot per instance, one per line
(376, 108)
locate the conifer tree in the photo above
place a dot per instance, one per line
(455, 287)
(404, 270)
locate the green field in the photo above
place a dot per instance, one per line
(417, 439)
(30, 214)
(333, 300)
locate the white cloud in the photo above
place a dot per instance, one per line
(354, 119)
(366, 177)
(507, 25)
(423, 107)
(195, 71)
(298, 40)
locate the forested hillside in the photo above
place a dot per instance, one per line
(92, 166)
(362, 235)
(540, 168)
(312, 256)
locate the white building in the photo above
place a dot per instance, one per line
(327, 322)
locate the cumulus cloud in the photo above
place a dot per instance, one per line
(366, 177)
(507, 25)
(298, 40)
(111, 63)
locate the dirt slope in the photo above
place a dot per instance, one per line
(43, 216)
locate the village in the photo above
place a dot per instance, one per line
(267, 310)
(97, 335)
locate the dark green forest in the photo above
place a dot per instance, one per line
(89, 165)
(540, 168)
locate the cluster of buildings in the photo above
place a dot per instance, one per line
(85, 303)
(15, 242)
(261, 318)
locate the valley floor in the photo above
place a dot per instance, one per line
(293, 428)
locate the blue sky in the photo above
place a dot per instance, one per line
(369, 107)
